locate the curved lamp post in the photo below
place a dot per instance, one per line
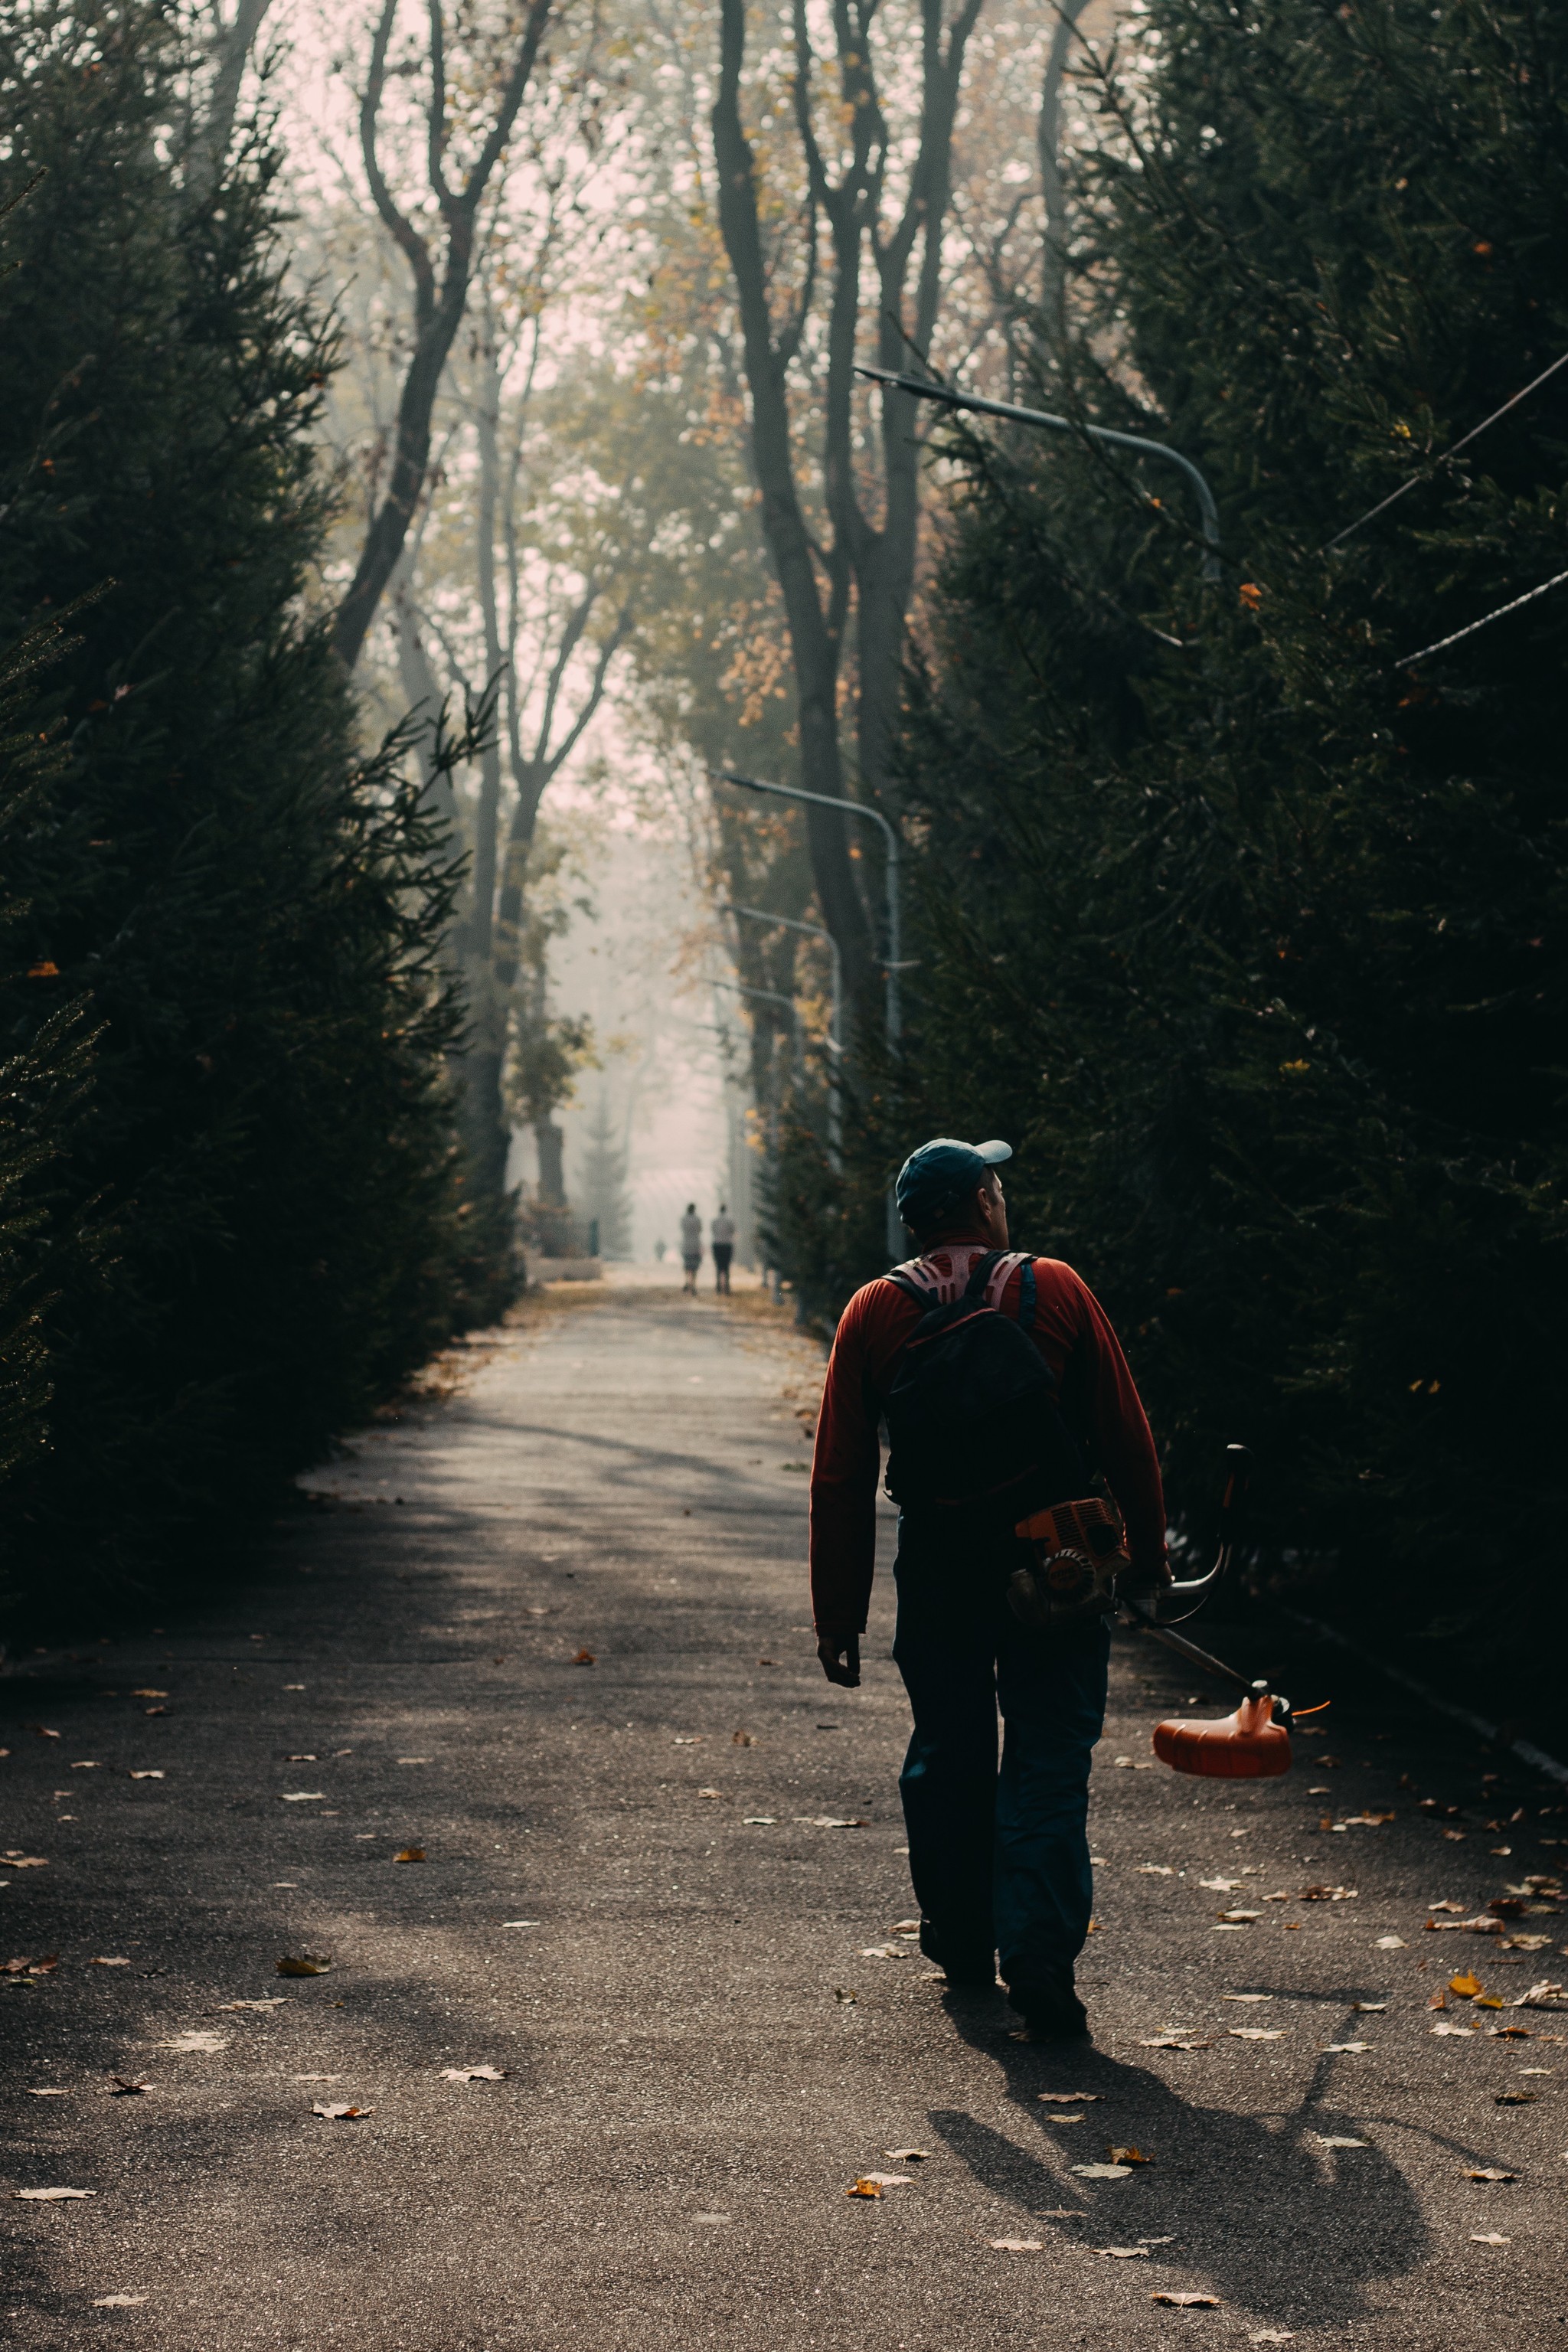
(835, 1018)
(1145, 448)
(893, 1008)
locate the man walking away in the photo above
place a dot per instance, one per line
(722, 1233)
(999, 1859)
(691, 1245)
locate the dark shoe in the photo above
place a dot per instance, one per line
(1050, 2013)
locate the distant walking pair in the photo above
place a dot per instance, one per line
(722, 1233)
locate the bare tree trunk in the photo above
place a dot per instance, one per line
(438, 303)
(877, 561)
(1047, 141)
(815, 636)
(231, 40)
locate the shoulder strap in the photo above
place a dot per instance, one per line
(981, 1272)
(910, 1288)
(1028, 1294)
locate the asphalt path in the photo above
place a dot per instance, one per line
(550, 1631)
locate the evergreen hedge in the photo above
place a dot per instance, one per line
(255, 1219)
(1248, 937)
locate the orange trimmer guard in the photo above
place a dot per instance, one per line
(1246, 1746)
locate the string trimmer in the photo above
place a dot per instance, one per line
(1080, 1569)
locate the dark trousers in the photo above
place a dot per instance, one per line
(999, 1858)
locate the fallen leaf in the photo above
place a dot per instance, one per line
(1070, 2098)
(759, 1822)
(1101, 2171)
(144, 1776)
(307, 1756)
(51, 2196)
(708, 1792)
(1369, 2008)
(409, 1854)
(687, 1739)
(888, 2179)
(1015, 2245)
(116, 2302)
(584, 1658)
(195, 2041)
(473, 2074)
(1239, 1919)
(1155, 1870)
(149, 1693)
(303, 1964)
(124, 2086)
(1338, 2139)
(1467, 1986)
(1390, 1943)
(48, 2094)
(26, 1862)
(1192, 2302)
(106, 1960)
(272, 2001)
(86, 1765)
(866, 2187)
(1173, 2041)
(339, 2111)
(1490, 2172)
(1272, 2336)
(829, 1821)
(1127, 2155)
(741, 1739)
(907, 2155)
(1256, 2032)
(297, 1796)
(1446, 1906)
(44, 1733)
(1460, 2033)
(1246, 1996)
(1341, 2049)
(849, 1998)
(520, 1923)
(25, 1968)
(1455, 1837)
(1220, 1885)
(1369, 1820)
(1488, 2238)
(883, 1951)
(1121, 2254)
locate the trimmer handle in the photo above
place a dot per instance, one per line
(1196, 1590)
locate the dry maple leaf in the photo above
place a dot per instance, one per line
(116, 2302)
(1191, 2302)
(149, 1775)
(106, 1960)
(1173, 2041)
(1488, 2238)
(866, 2188)
(473, 2074)
(194, 2042)
(339, 2111)
(741, 1739)
(1256, 2032)
(1338, 2139)
(1101, 2171)
(584, 1658)
(888, 2179)
(907, 2155)
(1127, 2155)
(149, 1693)
(410, 1853)
(1489, 2172)
(26, 1862)
(51, 2196)
(1070, 2098)
(1015, 2245)
(302, 1964)
(1122, 2253)
(1467, 1986)
(123, 2086)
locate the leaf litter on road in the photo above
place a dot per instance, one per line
(117, 2301)
(1016, 2245)
(410, 1853)
(195, 2042)
(303, 1964)
(339, 2111)
(50, 2196)
(1187, 2302)
(473, 2074)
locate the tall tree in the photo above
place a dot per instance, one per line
(881, 229)
(440, 267)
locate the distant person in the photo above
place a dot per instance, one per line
(658, 1250)
(722, 1233)
(691, 1245)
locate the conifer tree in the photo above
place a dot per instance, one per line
(1243, 926)
(252, 908)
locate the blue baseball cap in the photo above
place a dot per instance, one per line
(936, 1178)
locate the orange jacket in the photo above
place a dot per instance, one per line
(1094, 1383)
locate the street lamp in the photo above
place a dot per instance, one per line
(893, 1014)
(1145, 448)
(775, 996)
(835, 1020)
